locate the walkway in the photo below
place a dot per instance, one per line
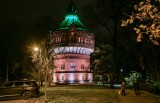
(144, 97)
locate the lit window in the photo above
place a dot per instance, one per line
(56, 40)
(62, 77)
(59, 39)
(82, 77)
(82, 40)
(73, 65)
(89, 42)
(62, 66)
(72, 33)
(85, 40)
(79, 39)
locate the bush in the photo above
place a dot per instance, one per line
(153, 86)
(133, 76)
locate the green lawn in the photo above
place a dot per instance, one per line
(80, 94)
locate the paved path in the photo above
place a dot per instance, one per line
(144, 97)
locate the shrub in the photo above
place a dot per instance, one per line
(133, 76)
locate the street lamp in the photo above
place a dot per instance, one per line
(36, 49)
(121, 70)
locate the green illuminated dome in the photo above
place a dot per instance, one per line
(71, 18)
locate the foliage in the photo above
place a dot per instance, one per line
(152, 84)
(133, 76)
(146, 17)
(151, 81)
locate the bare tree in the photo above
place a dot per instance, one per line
(41, 59)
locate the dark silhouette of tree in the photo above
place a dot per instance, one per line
(102, 64)
(104, 18)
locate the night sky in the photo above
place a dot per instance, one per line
(17, 18)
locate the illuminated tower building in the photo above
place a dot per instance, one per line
(72, 45)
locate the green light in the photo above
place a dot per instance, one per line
(71, 19)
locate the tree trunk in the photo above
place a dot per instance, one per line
(112, 80)
(157, 75)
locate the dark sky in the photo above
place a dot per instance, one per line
(17, 18)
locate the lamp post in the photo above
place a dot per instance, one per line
(36, 49)
(121, 70)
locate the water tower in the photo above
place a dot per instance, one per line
(72, 45)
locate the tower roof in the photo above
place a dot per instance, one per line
(71, 18)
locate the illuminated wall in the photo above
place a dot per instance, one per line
(73, 78)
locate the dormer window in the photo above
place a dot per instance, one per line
(79, 39)
(72, 33)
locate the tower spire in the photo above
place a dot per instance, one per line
(71, 7)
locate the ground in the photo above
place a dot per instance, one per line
(143, 97)
(89, 94)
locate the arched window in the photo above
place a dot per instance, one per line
(59, 39)
(62, 77)
(62, 66)
(82, 77)
(56, 40)
(82, 66)
(88, 41)
(72, 38)
(81, 40)
(63, 39)
(91, 42)
(73, 65)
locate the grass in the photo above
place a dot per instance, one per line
(79, 94)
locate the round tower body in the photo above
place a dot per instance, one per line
(71, 46)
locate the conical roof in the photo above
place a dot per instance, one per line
(71, 18)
